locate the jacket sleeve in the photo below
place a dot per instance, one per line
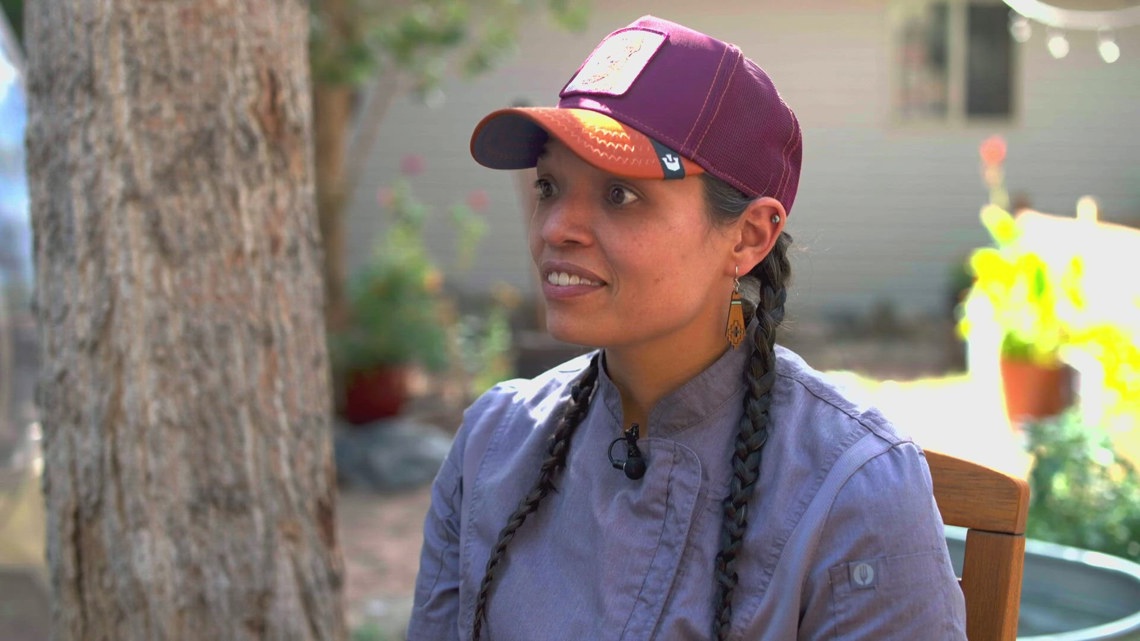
(883, 571)
(435, 611)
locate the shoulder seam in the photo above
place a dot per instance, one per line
(859, 418)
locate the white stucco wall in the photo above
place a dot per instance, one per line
(883, 210)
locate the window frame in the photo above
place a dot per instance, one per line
(957, 44)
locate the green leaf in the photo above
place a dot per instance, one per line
(1001, 225)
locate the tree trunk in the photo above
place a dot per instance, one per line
(332, 108)
(332, 111)
(183, 393)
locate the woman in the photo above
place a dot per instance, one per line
(751, 500)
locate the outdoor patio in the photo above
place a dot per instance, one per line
(911, 168)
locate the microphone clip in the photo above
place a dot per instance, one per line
(634, 464)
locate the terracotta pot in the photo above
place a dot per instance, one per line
(371, 395)
(1035, 391)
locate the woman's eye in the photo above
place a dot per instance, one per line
(619, 195)
(544, 188)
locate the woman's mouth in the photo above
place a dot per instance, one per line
(564, 279)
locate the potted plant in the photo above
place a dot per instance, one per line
(396, 318)
(400, 316)
(1028, 298)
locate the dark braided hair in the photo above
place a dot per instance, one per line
(727, 203)
(572, 415)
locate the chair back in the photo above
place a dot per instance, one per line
(993, 507)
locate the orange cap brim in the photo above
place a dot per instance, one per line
(513, 139)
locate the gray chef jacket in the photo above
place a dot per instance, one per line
(844, 539)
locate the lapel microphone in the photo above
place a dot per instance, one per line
(634, 464)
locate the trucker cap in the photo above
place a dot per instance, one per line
(659, 100)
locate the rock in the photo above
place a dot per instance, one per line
(387, 455)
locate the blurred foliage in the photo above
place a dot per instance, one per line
(485, 342)
(14, 12)
(353, 40)
(1022, 288)
(1027, 294)
(370, 631)
(1041, 305)
(396, 299)
(1117, 351)
(1084, 494)
(400, 307)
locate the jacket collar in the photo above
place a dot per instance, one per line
(697, 400)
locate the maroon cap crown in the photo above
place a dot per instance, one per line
(686, 91)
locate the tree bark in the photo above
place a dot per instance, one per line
(339, 167)
(184, 387)
(332, 111)
(332, 108)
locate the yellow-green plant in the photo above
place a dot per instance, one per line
(1117, 351)
(1030, 297)
(1039, 301)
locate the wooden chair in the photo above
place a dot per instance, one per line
(993, 507)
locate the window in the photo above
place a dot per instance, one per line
(955, 62)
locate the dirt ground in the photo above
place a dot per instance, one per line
(380, 538)
(380, 541)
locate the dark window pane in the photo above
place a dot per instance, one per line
(989, 67)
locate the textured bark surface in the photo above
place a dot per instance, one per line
(184, 392)
(332, 107)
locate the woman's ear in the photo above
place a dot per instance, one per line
(758, 228)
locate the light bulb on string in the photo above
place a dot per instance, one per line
(1019, 27)
(1087, 209)
(1058, 44)
(1106, 45)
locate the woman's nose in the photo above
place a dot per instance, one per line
(567, 220)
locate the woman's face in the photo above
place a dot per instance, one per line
(625, 263)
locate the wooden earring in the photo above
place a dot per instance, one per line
(735, 330)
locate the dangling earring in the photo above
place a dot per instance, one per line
(735, 330)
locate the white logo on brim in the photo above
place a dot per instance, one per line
(616, 63)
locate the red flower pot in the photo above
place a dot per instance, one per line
(1035, 391)
(371, 395)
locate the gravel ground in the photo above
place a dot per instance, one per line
(380, 537)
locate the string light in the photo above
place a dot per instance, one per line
(1057, 19)
(1058, 44)
(1106, 45)
(1087, 209)
(1019, 27)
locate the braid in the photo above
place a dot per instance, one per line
(771, 277)
(555, 460)
(760, 377)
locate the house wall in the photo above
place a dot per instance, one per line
(884, 211)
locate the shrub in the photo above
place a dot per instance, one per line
(1084, 493)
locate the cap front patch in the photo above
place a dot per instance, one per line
(616, 63)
